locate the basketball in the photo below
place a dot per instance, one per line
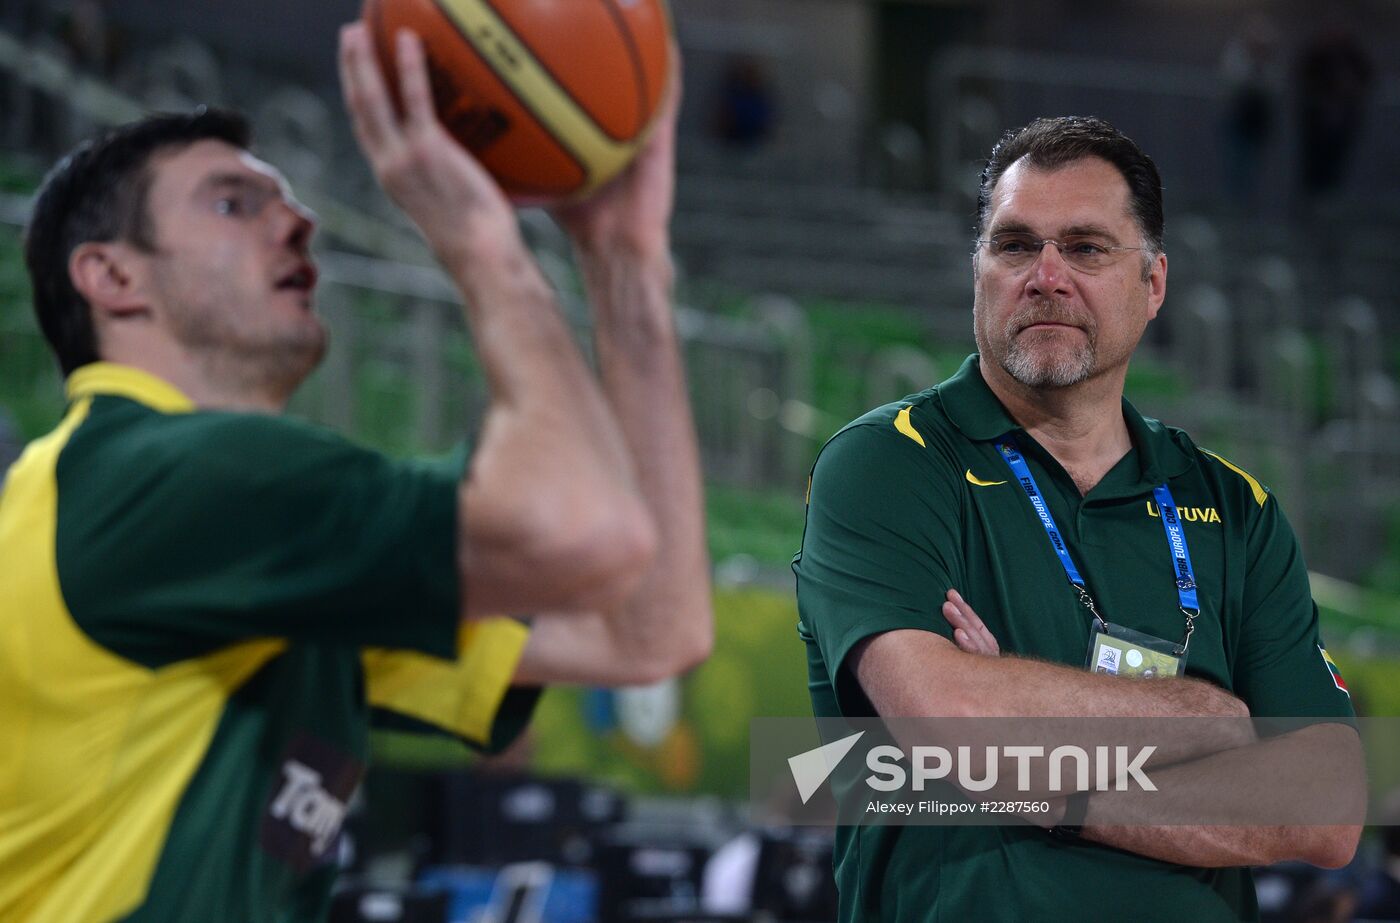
(554, 97)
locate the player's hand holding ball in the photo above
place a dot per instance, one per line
(632, 214)
(444, 190)
(553, 97)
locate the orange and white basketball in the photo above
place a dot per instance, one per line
(554, 97)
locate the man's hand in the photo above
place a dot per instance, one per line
(440, 186)
(542, 525)
(970, 635)
(633, 212)
(1295, 796)
(622, 245)
(1209, 846)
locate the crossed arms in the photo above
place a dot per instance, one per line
(919, 673)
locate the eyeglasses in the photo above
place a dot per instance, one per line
(1085, 253)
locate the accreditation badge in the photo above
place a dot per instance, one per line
(1121, 651)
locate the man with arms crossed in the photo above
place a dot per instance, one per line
(938, 493)
(201, 601)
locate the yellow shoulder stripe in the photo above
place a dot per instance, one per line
(1260, 494)
(901, 423)
(84, 842)
(460, 696)
(128, 382)
(600, 156)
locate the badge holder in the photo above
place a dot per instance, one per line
(1120, 651)
(1114, 649)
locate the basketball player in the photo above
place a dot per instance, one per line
(203, 604)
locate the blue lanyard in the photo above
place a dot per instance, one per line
(1181, 555)
(1183, 575)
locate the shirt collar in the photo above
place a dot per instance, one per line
(978, 415)
(972, 406)
(111, 378)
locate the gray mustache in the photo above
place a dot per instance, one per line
(1050, 311)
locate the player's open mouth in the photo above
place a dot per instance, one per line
(302, 278)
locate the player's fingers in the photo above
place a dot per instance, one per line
(366, 97)
(964, 614)
(980, 628)
(660, 146)
(968, 644)
(963, 635)
(973, 622)
(414, 85)
(952, 614)
(991, 641)
(955, 615)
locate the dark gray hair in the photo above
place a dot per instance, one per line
(1050, 143)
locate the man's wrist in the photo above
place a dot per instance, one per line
(631, 288)
(653, 250)
(504, 275)
(482, 246)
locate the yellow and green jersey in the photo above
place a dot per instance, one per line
(913, 499)
(200, 615)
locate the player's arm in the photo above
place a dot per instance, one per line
(622, 246)
(549, 515)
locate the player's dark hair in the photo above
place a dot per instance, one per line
(1051, 143)
(99, 193)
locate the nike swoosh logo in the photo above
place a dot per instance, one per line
(975, 481)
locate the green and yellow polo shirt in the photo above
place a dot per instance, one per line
(199, 614)
(913, 499)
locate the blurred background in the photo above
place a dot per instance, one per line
(829, 157)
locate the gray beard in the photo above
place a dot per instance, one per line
(1024, 363)
(1062, 371)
